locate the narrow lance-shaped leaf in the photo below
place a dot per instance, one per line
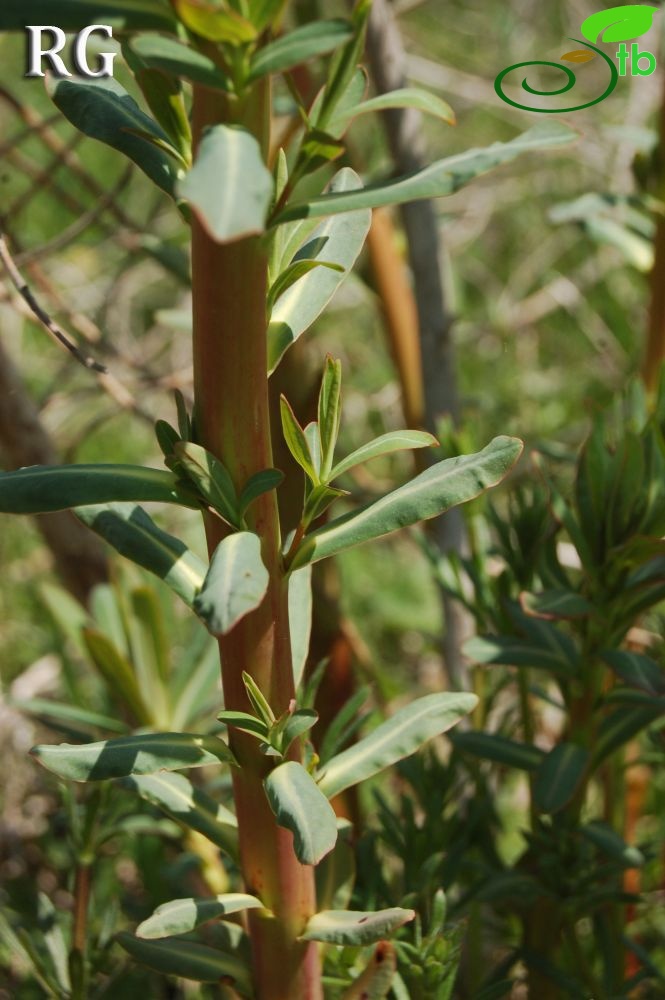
(235, 584)
(300, 619)
(300, 806)
(637, 670)
(258, 484)
(175, 795)
(499, 749)
(559, 776)
(74, 15)
(180, 916)
(126, 755)
(229, 187)
(330, 413)
(40, 489)
(210, 478)
(378, 976)
(214, 22)
(174, 57)
(297, 46)
(384, 445)
(441, 178)
(335, 241)
(135, 535)
(355, 927)
(187, 959)
(446, 484)
(294, 272)
(103, 110)
(295, 439)
(404, 97)
(400, 736)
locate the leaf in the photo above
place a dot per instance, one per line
(246, 722)
(579, 56)
(126, 755)
(637, 670)
(179, 916)
(135, 535)
(257, 699)
(235, 584)
(172, 56)
(179, 799)
(555, 604)
(403, 97)
(623, 725)
(441, 178)
(337, 242)
(499, 749)
(444, 485)
(210, 478)
(40, 489)
(619, 24)
(103, 110)
(54, 939)
(302, 720)
(258, 484)
(330, 413)
(118, 673)
(336, 874)
(46, 710)
(355, 927)
(163, 94)
(295, 439)
(378, 976)
(74, 15)
(215, 23)
(612, 844)
(300, 806)
(294, 272)
(229, 187)
(513, 651)
(400, 736)
(384, 445)
(187, 959)
(559, 776)
(300, 619)
(295, 47)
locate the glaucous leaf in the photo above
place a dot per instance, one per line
(384, 445)
(103, 110)
(300, 806)
(441, 178)
(135, 535)
(444, 485)
(404, 97)
(235, 583)
(333, 241)
(258, 484)
(126, 755)
(40, 489)
(180, 916)
(329, 412)
(398, 737)
(295, 439)
(295, 47)
(210, 478)
(229, 187)
(294, 272)
(172, 56)
(187, 959)
(300, 619)
(354, 927)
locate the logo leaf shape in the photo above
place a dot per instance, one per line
(619, 24)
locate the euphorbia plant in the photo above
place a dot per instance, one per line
(263, 267)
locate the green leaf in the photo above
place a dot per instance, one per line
(623, 725)
(210, 478)
(384, 445)
(187, 959)
(637, 670)
(513, 651)
(404, 97)
(441, 178)
(229, 187)
(179, 916)
(172, 56)
(295, 439)
(295, 47)
(74, 15)
(257, 699)
(558, 776)
(118, 673)
(179, 799)
(258, 484)
(235, 584)
(135, 535)
(126, 755)
(400, 736)
(499, 749)
(612, 844)
(619, 24)
(335, 241)
(163, 94)
(300, 619)
(294, 272)
(246, 722)
(58, 710)
(555, 604)
(355, 927)
(300, 806)
(103, 110)
(215, 23)
(336, 874)
(314, 441)
(54, 939)
(318, 501)
(330, 413)
(302, 720)
(40, 489)
(378, 976)
(441, 487)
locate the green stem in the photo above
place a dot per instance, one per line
(232, 421)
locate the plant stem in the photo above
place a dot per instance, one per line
(232, 421)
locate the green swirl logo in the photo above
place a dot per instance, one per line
(618, 24)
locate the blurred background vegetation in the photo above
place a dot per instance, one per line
(546, 267)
